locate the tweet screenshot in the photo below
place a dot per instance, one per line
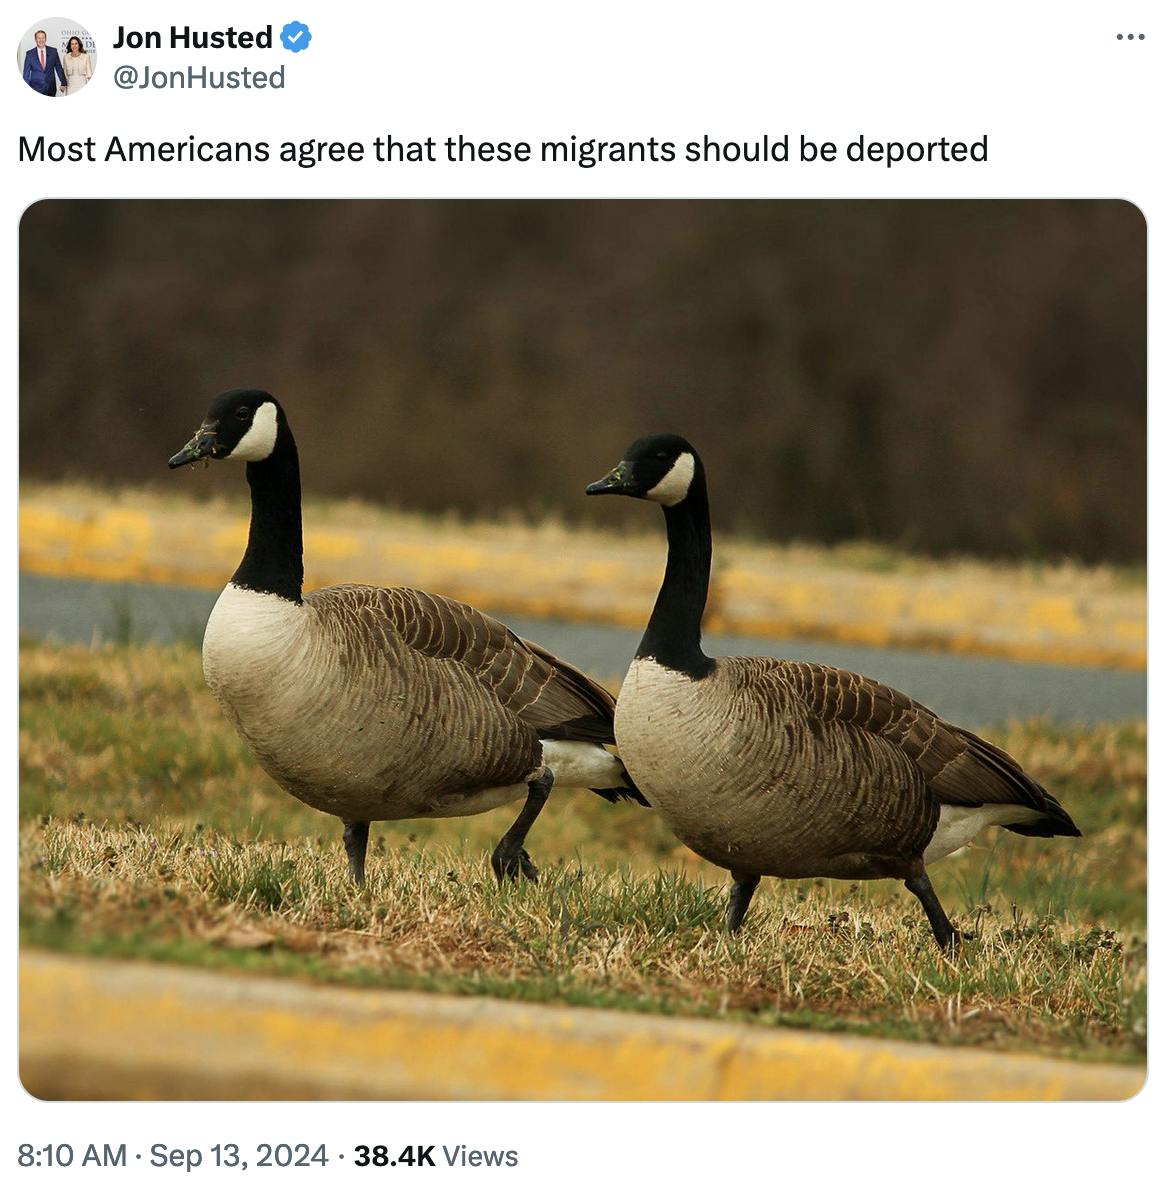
(579, 596)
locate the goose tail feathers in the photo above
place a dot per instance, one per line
(626, 792)
(1054, 821)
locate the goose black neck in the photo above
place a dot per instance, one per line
(673, 637)
(274, 560)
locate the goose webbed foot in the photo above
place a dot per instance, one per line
(744, 885)
(356, 843)
(509, 860)
(512, 866)
(947, 935)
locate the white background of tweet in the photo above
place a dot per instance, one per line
(1069, 111)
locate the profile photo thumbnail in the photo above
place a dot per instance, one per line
(57, 57)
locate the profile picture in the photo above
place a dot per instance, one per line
(57, 57)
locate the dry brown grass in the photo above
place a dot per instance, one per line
(149, 831)
(522, 533)
(434, 918)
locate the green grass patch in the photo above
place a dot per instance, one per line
(147, 831)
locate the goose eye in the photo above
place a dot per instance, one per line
(244, 413)
(662, 455)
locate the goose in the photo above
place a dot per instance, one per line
(369, 703)
(779, 768)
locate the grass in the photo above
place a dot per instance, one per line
(858, 593)
(147, 831)
(325, 514)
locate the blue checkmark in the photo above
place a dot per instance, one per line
(295, 36)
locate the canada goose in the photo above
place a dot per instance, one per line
(373, 703)
(777, 768)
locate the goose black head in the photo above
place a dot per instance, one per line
(660, 468)
(241, 424)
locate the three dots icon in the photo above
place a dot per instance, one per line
(1131, 37)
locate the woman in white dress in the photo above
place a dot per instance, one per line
(78, 66)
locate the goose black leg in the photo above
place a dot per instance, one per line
(356, 841)
(944, 931)
(744, 885)
(509, 859)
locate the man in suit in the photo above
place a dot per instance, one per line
(42, 67)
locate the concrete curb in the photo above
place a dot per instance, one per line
(97, 1029)
(965, 609)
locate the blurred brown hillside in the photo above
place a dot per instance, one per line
(943, 376)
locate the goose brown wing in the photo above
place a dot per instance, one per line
(571, 705)
(552, 697)
(584, 708)
(959, 767)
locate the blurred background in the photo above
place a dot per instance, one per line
(946, 377)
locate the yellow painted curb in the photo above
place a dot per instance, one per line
(1068, 617)
(115, 1030)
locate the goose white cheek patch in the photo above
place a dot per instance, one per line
(259, 440)
(674, 486)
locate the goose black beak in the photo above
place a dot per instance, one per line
(202, 444)
(617, 481)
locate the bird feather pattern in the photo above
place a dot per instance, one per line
(959, 767)
(795, 769)
(547, 694)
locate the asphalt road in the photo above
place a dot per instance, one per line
(975, 691)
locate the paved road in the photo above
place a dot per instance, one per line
(972, 690)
